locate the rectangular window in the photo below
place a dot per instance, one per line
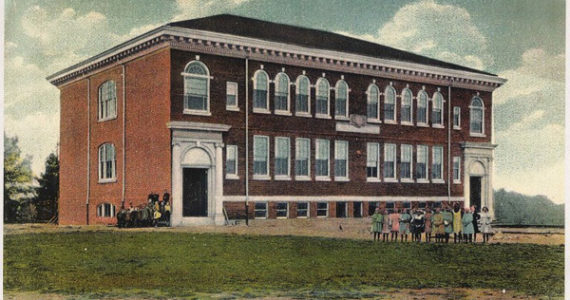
(302, 157)
(406, 163)
(322, 157)
(260, 99)
(281, 209)
(389, 161)
(260, 156)
(322, 209)
(282, 154)
(341, 159)
(437, 163)
(372, 161)
(302, 210)
(231, 95)
(456, 169)
(196, 94)
(456, 117)
(422, 163)
(357, 209)
(260, 210)
(231, 161)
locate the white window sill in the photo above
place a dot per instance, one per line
(232, 176)
(303, 114)
(302, 217)
(281, 217)
(260, 218)
(341, 179)
(391, 180)
(232, 108)
(197, 112)
(407, 180)
(303, 178)
(408, 123)
(261, 111)
(423, 181)
(422, 125)
(477, 134)
(282, 177)
(456, 128)
(437, 181)
(456, 181)
(437, 126)
(390, 122)
(373, 179)
(261, 177)
(374, 121)
(319, 116)
(341, 118)
(322, 217)
(283, 113)
(107, 180)
(322, 178)
(107, 119)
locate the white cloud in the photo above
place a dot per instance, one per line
(188, 9)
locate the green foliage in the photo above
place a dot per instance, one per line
(48, 190)
(515, 208)
(171, 264)
(18, 189)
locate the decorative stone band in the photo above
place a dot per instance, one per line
(238, 46)
(335, 198)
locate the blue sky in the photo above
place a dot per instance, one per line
(522, 41)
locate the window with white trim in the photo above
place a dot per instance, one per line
(422, 163)
(281, 209)
(373, 109)
(302, 209)
(372, 161)
(260, 156)
(323, 98)
(105, 210)
(231, 161)
(437, 110)
(260, 91)
(341, 99)
(107, 101)
(422, 107)
(406, 167)
(341, 160)
(282, 157)
(389, 161)
(260, 210)
(477, 117)
(231, 95)
(322, 158)
(390, 104)
(302, 157)
(107, 163)
(303, 96)
(437, 163)
(456, 117)
(281, 97)
(322, 209)
(196, 88)
(456, 169)
(406, 112)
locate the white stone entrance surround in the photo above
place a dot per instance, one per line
(478, 161)
(198, 145)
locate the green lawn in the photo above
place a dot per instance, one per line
(183, 264)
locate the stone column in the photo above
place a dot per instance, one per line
(219, 186)
(176, 217)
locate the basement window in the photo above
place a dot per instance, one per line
(106, 210)
(261, 210)
(322, 209)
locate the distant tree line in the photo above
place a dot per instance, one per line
(519, 209)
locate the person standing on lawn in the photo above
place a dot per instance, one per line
(395, 224)
(486, 224)
(377, 219)
(476, 218)
(457, 225)
(427, 226)
(438, 226)
(447, 223)
(417, 224)
(467, 221)
(404, 225)
(385, 226)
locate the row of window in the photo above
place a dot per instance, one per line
(374, 159)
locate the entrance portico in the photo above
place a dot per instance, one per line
(478, 175)
(197, 173)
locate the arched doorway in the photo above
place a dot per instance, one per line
(196, 167)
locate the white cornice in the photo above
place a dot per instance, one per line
(197, 126)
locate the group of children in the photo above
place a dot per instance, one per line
(464, 224)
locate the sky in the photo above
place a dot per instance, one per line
(522, 41)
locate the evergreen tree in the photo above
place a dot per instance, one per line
(18, 189)
(48, 190)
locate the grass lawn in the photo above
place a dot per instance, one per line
(173, 264)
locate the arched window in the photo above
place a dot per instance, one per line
(260, 88)
(107, 101)
(437, 110)
(341, 99)
(323, 95)
(422, 107)
(196, 88)
(390, 104)
(372, 102)
(107, 162)
(303, 95)
(477, 116)
(406, 110)
(106, 210)
(281, 92)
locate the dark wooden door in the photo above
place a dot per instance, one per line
(195, 193)
(475, 194)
